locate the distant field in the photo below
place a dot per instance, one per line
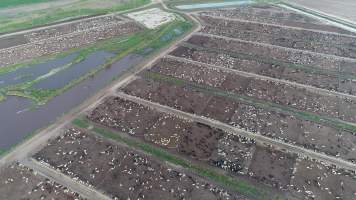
(10, 3)
(343, 8)
(24, 18)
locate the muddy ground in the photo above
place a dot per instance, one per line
(313, 180)
(175, 96)
(273, 53)
(122, 172)
(279, 93)
(200, 142)
(274, 15)
(182, 136)
(251, 118)
(272, 166)
(344, 46)
(325, 79)
(19, 182)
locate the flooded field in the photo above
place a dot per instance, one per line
(65, 76)
(31, 72)
(29, 119)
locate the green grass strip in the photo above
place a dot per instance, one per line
(2, 152)
(234, 183)
(339, 124)
(10, 3)
(81, 123)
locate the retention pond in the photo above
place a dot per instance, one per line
(18, 120)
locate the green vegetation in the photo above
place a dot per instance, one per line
(10, 3)
(235, 183)
(2, 97)
(339, 124)
(25, 20)
(81, 123)
(122, 46)
(306, 68)
(2, 152)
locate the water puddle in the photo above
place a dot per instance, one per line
(31, 72)
(75, 71)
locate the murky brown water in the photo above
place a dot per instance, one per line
(17, 120)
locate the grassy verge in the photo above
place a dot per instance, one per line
(339, 124)
(10, 3)
(2, 152)
(122, 46)
(2, 97)
(236, 184)
(60, 13)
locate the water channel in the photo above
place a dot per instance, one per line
(17, 119)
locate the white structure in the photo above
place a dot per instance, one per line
(152, 18)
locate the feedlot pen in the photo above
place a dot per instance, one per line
(260, 103)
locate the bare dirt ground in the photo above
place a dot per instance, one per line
(189, 138)
(251, 118)
(273, 15)
(280, 36)
(270, 91)
(199, 142)
(31, 186)
(288, 55)
(324, 79)
(313, 180)
(122, 172)
(272, 167)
